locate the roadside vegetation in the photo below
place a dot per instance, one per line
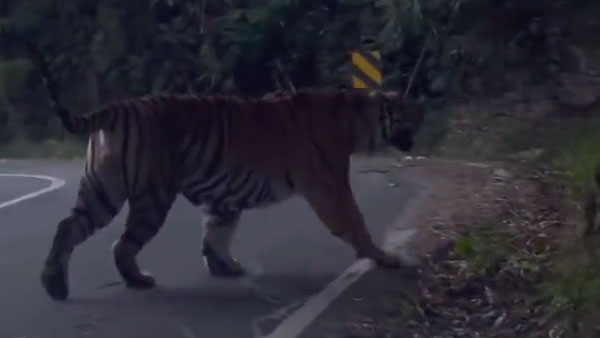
(574, 290)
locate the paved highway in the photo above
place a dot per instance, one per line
(288, 253)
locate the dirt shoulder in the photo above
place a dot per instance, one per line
(469, 285)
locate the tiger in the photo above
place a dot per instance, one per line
(224, 154)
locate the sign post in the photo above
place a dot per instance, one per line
(366, 69)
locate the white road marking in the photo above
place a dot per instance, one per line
(55, 183)
(278, 315)
(296, 323)
(246, 281)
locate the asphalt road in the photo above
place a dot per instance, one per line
(288, 253)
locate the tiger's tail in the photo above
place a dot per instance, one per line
(73, 124)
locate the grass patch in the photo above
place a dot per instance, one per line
(489, 249)
(66, 148)
(579, 157)
(484, 249)
(574, 291)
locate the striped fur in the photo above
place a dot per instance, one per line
(225, 154)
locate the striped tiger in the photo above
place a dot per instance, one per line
(224, 154)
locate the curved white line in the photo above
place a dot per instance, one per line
(299, 320)
(55, 183)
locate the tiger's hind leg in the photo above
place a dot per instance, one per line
(219, 229)
(147, 214)
(98, 202)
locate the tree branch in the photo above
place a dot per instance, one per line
(416, 69)
(284, 76)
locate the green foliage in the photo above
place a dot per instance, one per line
(21, 147)
(577, 286)
(579, 156)
(13, 78)
(484, 249)
(573, 292)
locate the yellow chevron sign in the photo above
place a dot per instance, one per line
(366, 69)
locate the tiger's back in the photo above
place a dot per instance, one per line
(189, 136)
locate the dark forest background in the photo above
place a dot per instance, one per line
(103, 50)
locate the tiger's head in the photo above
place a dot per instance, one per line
(395, 121)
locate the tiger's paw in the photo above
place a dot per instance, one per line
(219, 267)
(54, 280)
(124, 258)
(143, 280)
(384, 259)
(388, 261)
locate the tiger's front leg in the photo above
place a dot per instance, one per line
(219, 229)
(336, 207)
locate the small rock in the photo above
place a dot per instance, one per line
(529, 154)
(438, 226)
(499, 320)
(501, 174)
